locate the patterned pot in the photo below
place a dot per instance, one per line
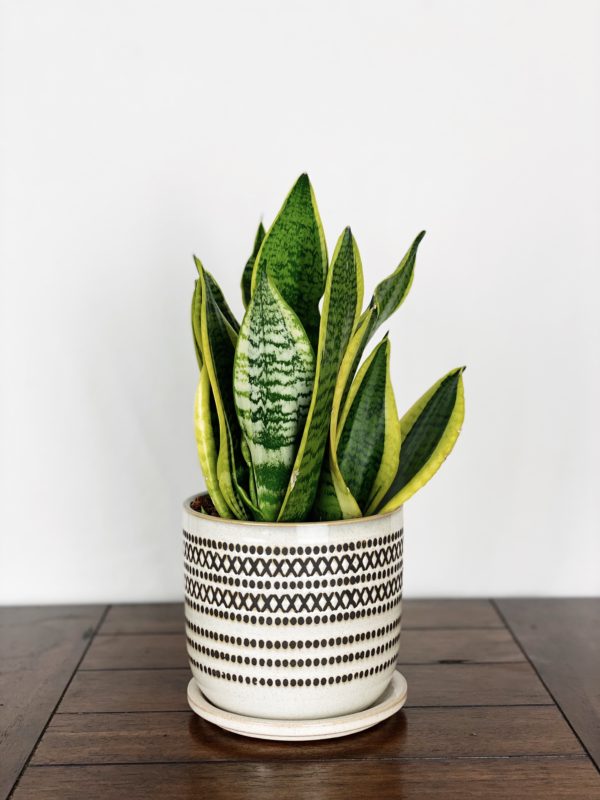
(293, 620)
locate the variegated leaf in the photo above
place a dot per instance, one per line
(326, 505)
(272, 377)
(341, 306)
(344, 505)
(295, 256)
(219, 298)
(218, 348)
(247, 274)
(251, 479)
(387, 298)
(196, 311)
(429, 431)
(205, 425)
(388, 466)
(369, 438)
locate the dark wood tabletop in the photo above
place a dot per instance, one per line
(503, 702)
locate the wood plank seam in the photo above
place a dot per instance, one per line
(543, 682)
(347, 760)
(557, 758)
(536, 779)
(59, 701)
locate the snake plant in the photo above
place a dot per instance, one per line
(289, 424)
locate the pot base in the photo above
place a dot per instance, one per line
(304, 730)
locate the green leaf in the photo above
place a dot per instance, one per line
(204, 427)
(324, 506)
(341, 307)
(388, 466)
(391, 292)
(272, 377)
(295, 256)
(387, 298)
(218, 297)
(217, 345)
(429, 431)
(252, 488)
(369, 439)
(196, 311)
(247, 274)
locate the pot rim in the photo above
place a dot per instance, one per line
(187, 507)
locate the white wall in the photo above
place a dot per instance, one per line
(136, 132)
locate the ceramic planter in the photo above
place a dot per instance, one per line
(292, 621)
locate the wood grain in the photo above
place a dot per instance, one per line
(145, 651)
(568, 778)
(414, 733)
(479, 722)
(429, 685)
(166, 651)
(473, 684)
(144, 618)
(40, 649)
(450, 614)
(461, 645)
(127, 690)
(562, 640)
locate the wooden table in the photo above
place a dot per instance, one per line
(503, 702)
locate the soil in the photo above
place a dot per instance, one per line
(204, 505)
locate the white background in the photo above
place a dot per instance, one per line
(135, 133)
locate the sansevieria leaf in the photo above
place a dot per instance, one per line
(334, 499)
(326, 505)
(218, 349)
(196, 311)
(247, 274)
(272, 378)
(429, 431)
(369, 440)
(341, 306)
(295, 256)
(289, 425)
(204, 427)
(219, 299)
(387, 298)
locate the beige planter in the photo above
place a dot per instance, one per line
(292, 621)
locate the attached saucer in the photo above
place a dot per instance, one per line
(301, 730)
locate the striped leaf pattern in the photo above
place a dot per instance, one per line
(387, 298)
(390, 457)
(284, 435)
(221, 303)
(218, 349)
(341, 306)
(429, 431)
(273, 378)
(249, 268)
(339, 503)
(326, 506)
(205, 425)
(196, 311)
(369, 439)
(295, 256)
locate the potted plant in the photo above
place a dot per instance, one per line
(293, 559)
